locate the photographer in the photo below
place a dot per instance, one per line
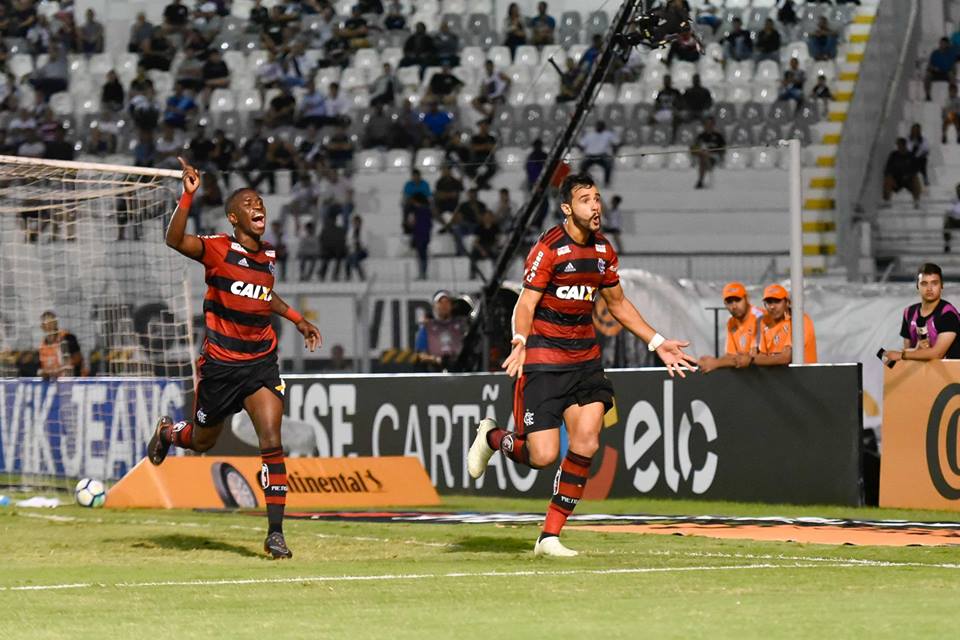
(929, 329)
(440, 338)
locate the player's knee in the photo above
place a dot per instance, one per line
(585, 446)
(200, 445)
(542, 454)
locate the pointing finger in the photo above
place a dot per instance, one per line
(183, 163)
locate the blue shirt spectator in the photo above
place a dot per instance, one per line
(179, 106)
(416, 185)
(436, 121)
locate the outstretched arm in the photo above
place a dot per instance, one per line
(177, 238)
(670, 351)
(311, 335)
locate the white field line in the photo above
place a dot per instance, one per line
(419, 576)
(826, 559)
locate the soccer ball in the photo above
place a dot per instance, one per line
(90, 493)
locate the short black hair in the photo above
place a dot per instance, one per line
(574, 181)
(930, 269)
(229, 202)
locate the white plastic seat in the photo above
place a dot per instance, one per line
(126, 66)
(651, 161)
(765, 93)
(556, 52)
(472, 57)
(826, 68)
(520, 96)
(526, 55)
(736, 160)
(325, 76)
(626, 157)
(360, 98)
(429, 159)
(545, 94)
(519, 74)
(81, 85)
(607, 94)
(630, 93)
(61, 104)
(397, 160)
(76, 63)
(409, 77)
(248, 101)
(764, 159)
(510, 157)
(257, 59)
(738, 94)
(679, 161)
(353, 78)
(797, 50)
(681, 73)
(367, 59)
(393, 55)
(576, 52)
(712, 76)
(500, 56)
(740, 72)
(20, 64)
(100, 64)
(767, 71)
(236, 62)
(222, 100)
(368, 161)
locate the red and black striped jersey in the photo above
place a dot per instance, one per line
(236, 308)
(570, 276)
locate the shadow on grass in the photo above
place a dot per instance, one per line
(182, 542)
(492, 544)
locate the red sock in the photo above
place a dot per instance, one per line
(180, 434)
(567, 491)
(273, 479)
(510, 445)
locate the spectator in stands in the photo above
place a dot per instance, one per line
(952, 220)
(385, 88)
(440, 338)
(156, 52)
(140, 82)
(281, 156)
(190, 73)
(684, 48)
(465, 219)
(356, 248)
(416, 185)
(90, 35)
(667, 103)
(591, 54)
(407, 131)
(175, 16)
(612, 222)
(929, 328)
(60, 353)
(337, 50)
(743, 331)
(570, 82)
(443, 87)
(333, 248)
(535, 162)
(394, 20)
(920, 149)
(738, 45)
(308, 251)
(169, 146)
(59, 148)
(355, 30)
(338, 196)
(313, 108)
(19, 124)
(775, 347)
(447, 192)
(707, 15)
(275, 236)
(216, 75)
(822, 43)
(900, 172)
(253, 157)
(768, 43)
(223, 155)
(821, 90)
(419, 223)
(492, 91)
(99, 143)
(448, 45)
(179, 108)
(376, 132)
(304, 202)
(485, 243)
(24, 17)
(791, 88)
(940, 67)
(514, 29)
(53, 76)
(31, 146)
(437, 123)
(281, 109)
(599, 147)
(336, 106)
(542, 26)
(504, 213)
(697, 101)
(340, 149)
(112, 95)
(38, 36)
(419, 49)
(145, 151)
(144, 110)
(270, 75)
(787, 14)
(951, 114)
(200, 148)
(140, 31)
(483, 162)
(708, 150)
(206, 21)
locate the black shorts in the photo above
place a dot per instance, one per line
(541, 397)
(222, 388)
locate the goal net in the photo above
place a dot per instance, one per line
(82, 253)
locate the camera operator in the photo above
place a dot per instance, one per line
(929, 329)
(440, 338)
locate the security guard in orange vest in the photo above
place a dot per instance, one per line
(59, 350)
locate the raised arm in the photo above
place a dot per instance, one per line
(177, 238)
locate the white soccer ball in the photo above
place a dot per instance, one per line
(90, 493)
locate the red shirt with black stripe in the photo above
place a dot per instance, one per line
(570, 276)
(236, 308)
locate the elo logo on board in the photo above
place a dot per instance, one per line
(944, 461)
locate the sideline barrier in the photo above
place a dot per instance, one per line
(216, 482)
(789, 434)
(921, 405)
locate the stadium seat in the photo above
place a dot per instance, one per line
(607, 94)
(429, 160)
(469, 76)
(472, 57)
(520, 96)
(826, 68)
(687, 134)
(764, 159)
(555, 51)
(799, 131)
(500, 56)
(738, 94)
(652, 159)
(570, 20)
(681, 74)
(393, 55)
(510, 158)
(126, 66)
(754, 18)
(641, 113)
(626, 157)
(360, 98)
(20, 64)
(752, 113)
(632, 136)
(653, 75)
(477, 23)
(765, 93)
(526, 55)
(77, 63)
(368, 161)
(660, 135)
(712, 51)
(567, 38)
(768, 71)
(61, 104)
(369, 60)
(455, 6)
(724, 113)
(740, 135)
(576, 52)
(353, 78)
(545, 94)
(249, 101)
(519, 74)
(100, 64)
(409, 77)
(780, 113)
(241, 9)
(650, 91)
(257, 59)
(679, 160)
(397, 160)
(740, 72)
(454, 21)
(769, 133)
(737, 160)
(630, 93)
(342, 7)
(325, 76)
(531, 116)
(81, 85)
(808, 113)
(222, 100)
(236, 62)
(597, 22)
(797, 49)
(712, 76)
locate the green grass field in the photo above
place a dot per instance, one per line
(197, 575)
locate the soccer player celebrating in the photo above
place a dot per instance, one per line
(556, 358)
(238, 368)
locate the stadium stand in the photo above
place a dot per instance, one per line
(313, 41)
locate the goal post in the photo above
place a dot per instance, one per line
(85, 242)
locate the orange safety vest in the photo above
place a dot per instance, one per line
(51, 354)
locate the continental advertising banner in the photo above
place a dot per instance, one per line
(789, 434)
(919, 468)
(93, 427)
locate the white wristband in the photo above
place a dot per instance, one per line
(655, 342)
(520, 338)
